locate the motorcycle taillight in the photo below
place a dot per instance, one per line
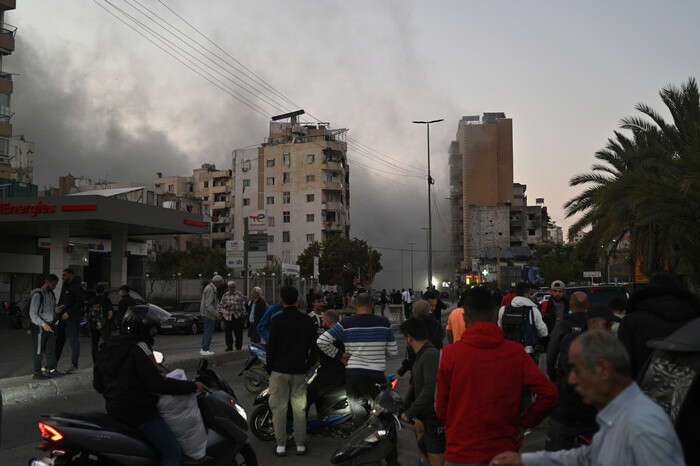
(49, 432)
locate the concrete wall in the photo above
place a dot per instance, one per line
(490, 228)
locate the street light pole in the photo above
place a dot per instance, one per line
(412, 244)
(430, 210)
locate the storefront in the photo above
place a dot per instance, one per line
(104, 239)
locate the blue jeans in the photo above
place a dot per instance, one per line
(208, 331)
(161, 438)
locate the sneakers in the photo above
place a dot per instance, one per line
(301, 450)
(53, 373)
(206, 353)
(281, 451)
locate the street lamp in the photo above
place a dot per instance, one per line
(430, 213)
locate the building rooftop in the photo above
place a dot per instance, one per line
(108, 192)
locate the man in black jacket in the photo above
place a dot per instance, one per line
(127, 375)
(290, 353)
(125, 302)
(70, 307)
(655, 312)
(421, 312)
(100, 315)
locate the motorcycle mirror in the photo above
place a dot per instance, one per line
(158, 356)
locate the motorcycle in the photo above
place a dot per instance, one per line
(337, 416)
(97, 439)
(254, 374)
(376, 440)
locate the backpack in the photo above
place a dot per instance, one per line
(518, 325)
(25, 308)
(561, 365)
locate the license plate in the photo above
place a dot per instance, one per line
(166, 326)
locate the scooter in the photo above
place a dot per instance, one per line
(254, 374)
(337, 416)
(376, 440)
(97, 439)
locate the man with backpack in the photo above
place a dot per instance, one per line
(42, 313)
(571, 417)
(522, 322)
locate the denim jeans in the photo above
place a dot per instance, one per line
(161, 438)
(208, 331)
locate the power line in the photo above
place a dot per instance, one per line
(369, 149)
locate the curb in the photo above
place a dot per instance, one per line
(25, 390)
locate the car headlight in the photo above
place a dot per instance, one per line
(376, 436)
(241, 411)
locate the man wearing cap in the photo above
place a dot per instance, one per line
(555, 308)
(209, 309)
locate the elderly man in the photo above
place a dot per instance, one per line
(232, 311)
(209, 309)
(256, 309)
(633, 431)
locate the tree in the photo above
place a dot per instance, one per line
(190, 263)
(562, 262)
(648, 186)
(341, 260)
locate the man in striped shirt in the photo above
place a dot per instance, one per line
(368, 338)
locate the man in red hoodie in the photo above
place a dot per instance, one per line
(480, 381)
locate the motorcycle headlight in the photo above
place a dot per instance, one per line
(376, 436)
(241, 411)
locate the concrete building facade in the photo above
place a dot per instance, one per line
(555, 234)
(485, 146)
(300, 178)
(490, 229)
(7, 46)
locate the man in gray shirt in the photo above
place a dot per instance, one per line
(42, 313)
(634, 431)
(210, 312)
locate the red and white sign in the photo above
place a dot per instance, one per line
(32, 209)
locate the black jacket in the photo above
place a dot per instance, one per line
(292, 342)
(654, 313)
(98, 309)
(575, 323)
(125, 303)
(73, 298)
(129, 379)
(435, 336)
(421, 396)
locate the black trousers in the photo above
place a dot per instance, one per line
(44, 344)
(96, 335)
(235, 325)
(69, 328)
(407, 310)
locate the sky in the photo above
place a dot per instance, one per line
(99, 100)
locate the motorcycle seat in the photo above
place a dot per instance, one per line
(106, 422)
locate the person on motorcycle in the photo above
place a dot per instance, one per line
(127, 375)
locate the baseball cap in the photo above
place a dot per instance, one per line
(602, 311)
(557, 285)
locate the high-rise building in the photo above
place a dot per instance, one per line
(485, 146)
(300, 178)
(7, 46)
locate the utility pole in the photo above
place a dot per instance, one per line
(430, 210)
(245, 254)
(412, 244)
(402, 269)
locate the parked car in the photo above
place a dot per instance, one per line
(188, 310)
(600, 295)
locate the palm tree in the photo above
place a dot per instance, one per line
(648, 186)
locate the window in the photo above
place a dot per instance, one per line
(309, 217)
(270, 221)
(171, 188)
(286, 197)
(287, 159)
(310, 158)
(310, 178)
(531, 232)
(286, 217)
(246, 201)
(206, 184)
(270, 200)
(285, 237)
(189, 208)
(310, 238)
(309, 198)
(270, 180)
(245, 166)
(286, 178)
(270, 238)
(270, 163)
(246, 183)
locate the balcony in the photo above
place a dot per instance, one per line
(332, 205)
(6, 83)
(5, 129)
(220, 205)
(8, 5)
(334, 184)
(7, 38)
(220, 189)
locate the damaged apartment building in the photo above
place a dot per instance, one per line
(300, 178)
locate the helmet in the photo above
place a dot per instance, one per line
(140, 319)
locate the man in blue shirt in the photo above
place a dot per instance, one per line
(264, 324)
(634, 431)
